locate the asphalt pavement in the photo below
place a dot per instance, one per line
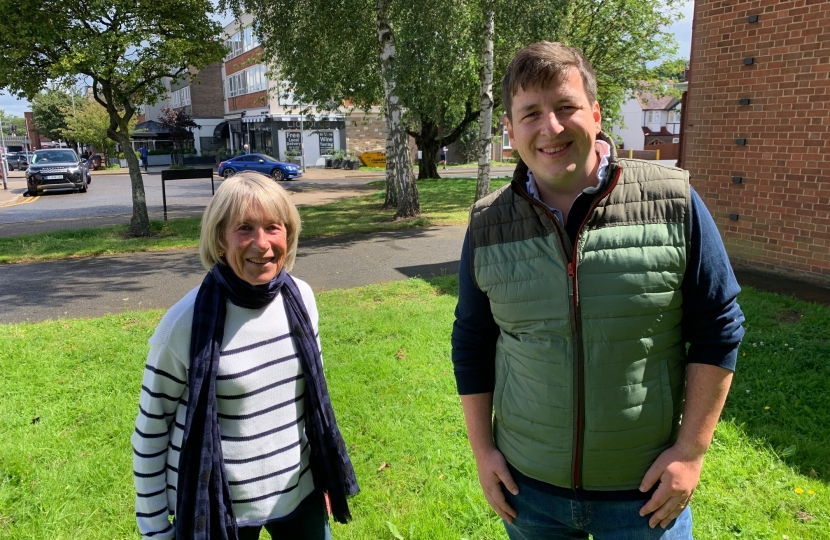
(95, 286)
(109, 199)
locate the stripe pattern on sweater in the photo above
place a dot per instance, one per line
(260, 399)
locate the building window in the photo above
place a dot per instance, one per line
(256, 79)
(234, 45)
(180, 97)
(653, 117)
(674, 117)
(247, 81)
(237, 84)
(249, 39)
(505, 143)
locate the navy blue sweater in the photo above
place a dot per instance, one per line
(712, 319)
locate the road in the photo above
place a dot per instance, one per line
(95, 286)
(109, 199)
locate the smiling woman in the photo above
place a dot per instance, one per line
(234, 389)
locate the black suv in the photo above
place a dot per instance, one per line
(58, 168)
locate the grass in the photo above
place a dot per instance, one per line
(443, 202)
(68, 394)
(472, 164)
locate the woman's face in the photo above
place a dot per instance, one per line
(256, 247)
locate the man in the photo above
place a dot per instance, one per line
(580, 285)
(245, 149)
(143, 153)
(444, 157)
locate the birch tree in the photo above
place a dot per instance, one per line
(485, 121)
(122, 48)
(398, 163)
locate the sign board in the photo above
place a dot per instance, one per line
(326, 143)
(292, 141)
(373, 159)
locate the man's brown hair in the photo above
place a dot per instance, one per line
(541, 64)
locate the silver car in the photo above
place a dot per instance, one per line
(58, 168)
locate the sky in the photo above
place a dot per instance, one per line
(682, 33)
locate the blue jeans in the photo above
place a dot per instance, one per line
(542, 516)
(310, 522)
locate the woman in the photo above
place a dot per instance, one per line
(235, 429)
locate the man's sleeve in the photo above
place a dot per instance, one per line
(474, 333)
(712, 318)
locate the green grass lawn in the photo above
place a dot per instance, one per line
(69, 391)
(443, 202)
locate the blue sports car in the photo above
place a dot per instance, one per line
(260, 163)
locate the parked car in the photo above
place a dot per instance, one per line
(21, 161)
(58, 168)
(11, 160)
(261, 163)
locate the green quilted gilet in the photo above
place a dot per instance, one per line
(590, 364)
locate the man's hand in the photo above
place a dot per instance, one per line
(678, 468)
(492, 473)
(678, 472)
(491, 465)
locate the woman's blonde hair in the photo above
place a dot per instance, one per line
(237, 196)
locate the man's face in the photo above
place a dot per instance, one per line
(554, 129)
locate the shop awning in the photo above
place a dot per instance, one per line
(220, 131)
(255, 118)
(148, 130)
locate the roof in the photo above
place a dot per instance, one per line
(649, 102)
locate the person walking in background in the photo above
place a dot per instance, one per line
(580, 285)
(245, 149)
(143, 153)
(235, 429)
(443, 157)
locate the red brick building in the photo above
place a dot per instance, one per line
(757, 130)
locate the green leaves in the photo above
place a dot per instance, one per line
(122, 49)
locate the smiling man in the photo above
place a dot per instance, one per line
(596, 310)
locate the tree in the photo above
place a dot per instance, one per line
(122, 48)
(49, 112)
(179, 125)
(485, 121)
(88, 123)
(620, 38)
(342, 52)
(12, 125)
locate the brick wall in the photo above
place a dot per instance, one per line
(248, 101)
(365, 132)
(243, 61)
(778, 217)
(206, 93)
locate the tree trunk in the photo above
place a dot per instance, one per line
(140, 222)
(397, 152)
(429, 151)
(391, 199)
(485, 121)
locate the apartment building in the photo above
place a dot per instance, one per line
(200, 95)
(263, 113)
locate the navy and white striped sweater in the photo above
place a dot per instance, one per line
(260, 391)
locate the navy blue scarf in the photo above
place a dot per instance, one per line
(204, 508)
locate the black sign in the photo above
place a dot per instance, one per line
(326, 143)
(292, 141)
